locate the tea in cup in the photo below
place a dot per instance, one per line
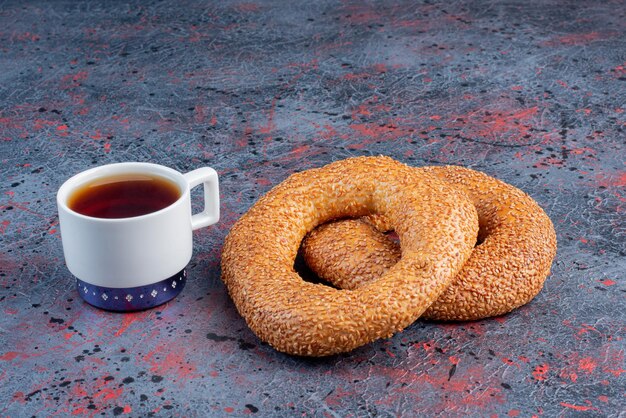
(127, 231)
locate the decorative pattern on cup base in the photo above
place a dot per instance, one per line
(130, 299)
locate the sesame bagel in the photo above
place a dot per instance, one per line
(512, 258)
(436, 223)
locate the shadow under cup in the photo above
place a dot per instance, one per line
(126, 264)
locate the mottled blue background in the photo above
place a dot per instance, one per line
(533, 94)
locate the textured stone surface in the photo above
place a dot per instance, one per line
(531, 94)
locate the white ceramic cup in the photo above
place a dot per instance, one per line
(127, 264)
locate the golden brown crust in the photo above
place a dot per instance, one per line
(351, 240)
(437, 226)
(505, 271)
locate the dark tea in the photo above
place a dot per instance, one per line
(124, 196)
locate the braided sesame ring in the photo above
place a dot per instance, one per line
(507, 268)
(436, 224)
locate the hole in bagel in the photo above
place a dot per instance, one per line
(393, 236)
(482, 234)
(307, 274)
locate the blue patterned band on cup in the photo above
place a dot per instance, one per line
(129, 299)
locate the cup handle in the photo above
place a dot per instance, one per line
(211, 212)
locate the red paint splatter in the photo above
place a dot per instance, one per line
(585, 329)
(229, 409)
(247, 7)
(39, 124)
(368, 108)
(263, 182)
(9, 356)
(461, 391)
(199, 113)
(514, 412)
(613, 360)
(510, 362)
(616, 180)
(108, 393)
(581, 150)
(78, 391)
(511, 126)
(338, 396)
(540, 372)
(380, 68)
(3, 226)
(549, 161)
(166, 360)
(364, 17)
(429, 347)
(10, 123)
(361, 110)
(587, 364)
(129, 319)
(353, 76)
(329, 133)
(242, 142)
(579, 38)
(17, 396)
(269, 127)
(603, 398)
(615, 372)
(607, 282)
(620, 69)
(299, 151)
(25, 36)
(73, 80)
(484, 399)
(413, 23)
(123, 121)
(375, 131)
(588, 407)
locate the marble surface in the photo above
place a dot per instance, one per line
(533, 94)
